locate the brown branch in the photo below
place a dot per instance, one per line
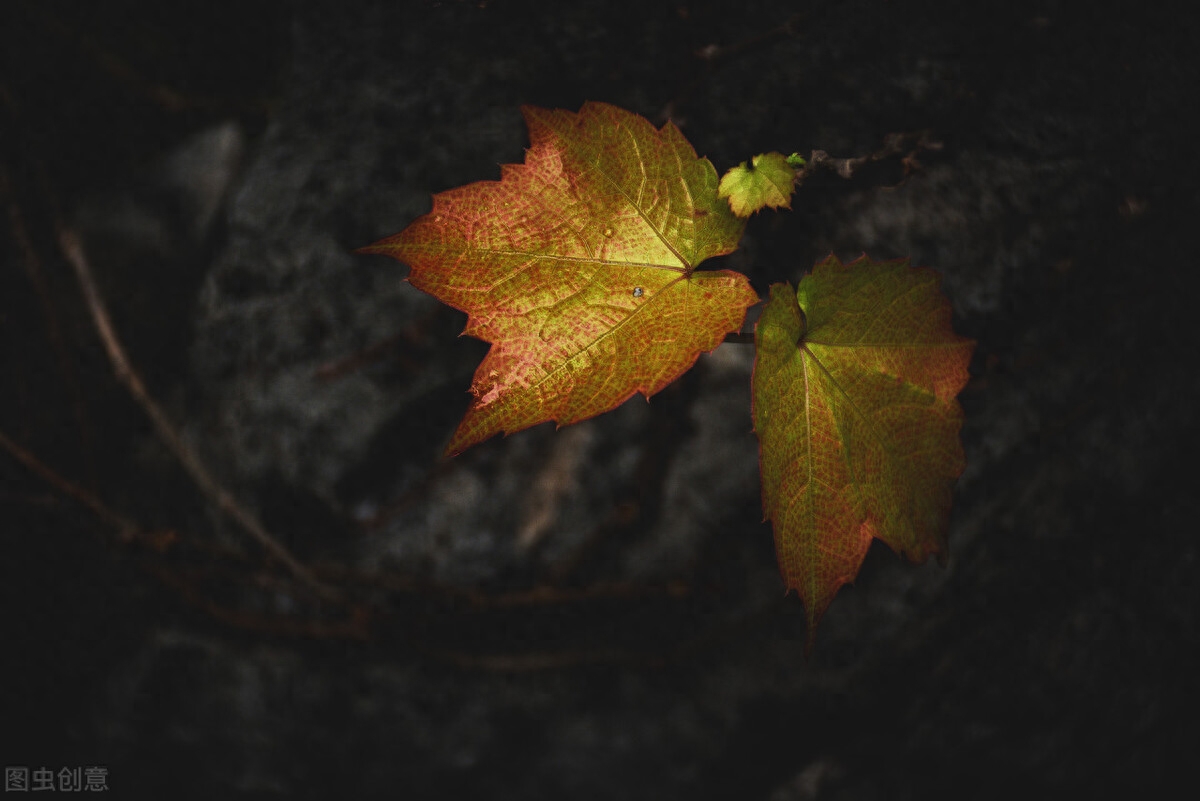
(126, 529)
(123, 369)
(911, 143)
(476, 600)
(66, 366)
(355, 627)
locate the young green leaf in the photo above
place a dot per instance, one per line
(579, 266)
(767, 180)
(855, 378)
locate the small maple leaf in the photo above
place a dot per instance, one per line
(855, 378)
(579, 266)
(766, 180)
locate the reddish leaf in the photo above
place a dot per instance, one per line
(578, 267)
(855, 378)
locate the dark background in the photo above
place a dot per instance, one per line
(592, 613)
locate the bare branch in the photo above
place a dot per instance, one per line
(222, 498)
(126, 528)
(66, 365)
(909, 143)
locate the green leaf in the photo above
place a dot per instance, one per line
(767, 180)
(855, 378)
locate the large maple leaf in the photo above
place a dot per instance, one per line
(855, 378)
(579, 267)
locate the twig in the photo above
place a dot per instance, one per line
(66, 366)
(73, 251)
(356, 627)
(461, 597)
(126, 528)
(893, 144)
(353, 628)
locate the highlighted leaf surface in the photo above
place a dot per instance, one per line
(855, 378)
(766, 180)
(578, 266)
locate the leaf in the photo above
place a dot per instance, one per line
(767, 180)
(855, 378)
(579, 267)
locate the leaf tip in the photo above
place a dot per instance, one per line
(384, 247)
(810, 639)
(812, 616)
